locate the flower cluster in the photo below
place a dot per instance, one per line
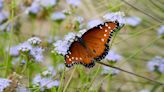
(161, 31)
(108, 70)
(156, 64)
(133, 20)
(115, 16)
(113, 56)
(45, 80)
(4, 83)
(74, 3)
(29, 47)
(38, 5)
(61, 46)
(119, 16)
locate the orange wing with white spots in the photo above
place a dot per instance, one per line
(97, 39)
(77, 54)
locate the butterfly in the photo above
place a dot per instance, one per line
(92, 46)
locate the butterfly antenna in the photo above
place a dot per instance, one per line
(141, 11)
(131, 73)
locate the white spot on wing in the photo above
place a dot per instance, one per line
(102, 40)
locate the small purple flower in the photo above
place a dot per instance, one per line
(1, 4)
(4, 83)
(44, 82)
(60, 67)
(156, 64)
(50, 71)
(161, 31)
(133, 20)
(94, 22)
(25, 47)
(74, 3)
(34, 8)
(108, 70)
(3, 16)
(70, 37)
(37, 53)
(34, 41)
(47, 3)
(58, 16)
(79, 19)
(14, 51)
(113, 56)
(115, 16)
(61, 47)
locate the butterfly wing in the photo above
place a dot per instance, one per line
(97, 38)
(77, 54)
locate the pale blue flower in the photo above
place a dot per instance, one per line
(156, 64)
(133, 20)
(54, 83)
(108, 70)
(74, 2)
(70, 37)
(22, 89)
(115, 16)
(161, 31)
(14, 50)
(25, 47)
(144, 90)
(58, 16)
(60, 67)
(44, 82)
(34, 41)
(94, 22)
(37, 53)
(47, 3)
(79, 19)
(1, 4)
(50, 71)
(113, 56)
(4, 83)
(3, 16)
(34, 8)
(61, 47)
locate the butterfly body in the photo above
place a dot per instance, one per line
(92, 46)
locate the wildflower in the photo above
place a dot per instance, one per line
(156, 64)
(67, 11)
(37, 53)
(60, 67)
(44, 82)
(50, 71)
(1, 4)
(81, 32)
(14, 51)
(70, 37)
(58, 16)
(25, 47)
(61, 47)
(133, 20)
(34, 8)
(94, 22)
(74, 3)
(47, 3)
(113, 56)
(34, 41)
(161, 31)
(108, 70)
(4, 83)
(144, 90)
(3, 16)
(79, 19)
(115, 16)
(22, 89)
